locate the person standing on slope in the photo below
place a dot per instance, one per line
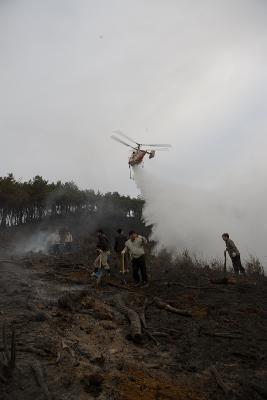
(234, 254)
(135, 247)
(103, 252)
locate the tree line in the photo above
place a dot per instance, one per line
(24, 202)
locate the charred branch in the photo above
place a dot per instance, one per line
(161, 304)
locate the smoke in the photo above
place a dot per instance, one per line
(185, 217)
(38, 240)
(192, 73)
(214, 111)
(72, 71)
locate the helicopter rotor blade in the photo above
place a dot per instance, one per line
(164, 149)
(122, 142)
(126, 137)
(157, 145)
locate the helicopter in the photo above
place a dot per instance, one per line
(138, 153)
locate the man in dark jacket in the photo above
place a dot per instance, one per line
(102, 248)
(234, 254)
(119, 244)
(102, 241)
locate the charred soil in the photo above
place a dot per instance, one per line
(182, 338)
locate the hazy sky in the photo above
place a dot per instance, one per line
(188, 72)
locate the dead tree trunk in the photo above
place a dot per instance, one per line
(38, 372)
(133, 317)
(143, 314)
(161, 304)
(9, 356)
(219, 380)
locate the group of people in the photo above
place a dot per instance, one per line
(60, 241)
(131, 250)
(127, 250)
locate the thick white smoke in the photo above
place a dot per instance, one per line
(38, 241)
(192, 73)
(215, 116)
(190, 218)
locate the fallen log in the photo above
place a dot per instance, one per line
(85, 312)
(58, 357)
(33, 350)
(171, 331)
(161, 304)
(66, 346)
(57, 361)
(3, 379)
(6, 352)
(224, 335)
(161, 334)
(190, 287)
(9, 356)
(219, 380)
(12, 362)
(133, 317)
(223, 281)
(116, 285)
(38, 373)
(143, 314)
(151, 337)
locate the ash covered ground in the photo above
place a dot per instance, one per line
(202, 336)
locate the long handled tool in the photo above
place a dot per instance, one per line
(224, 266)
(123, 268)
(100, 271)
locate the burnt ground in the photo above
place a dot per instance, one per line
(73, 341)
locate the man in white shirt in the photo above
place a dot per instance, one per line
(135, 246)
(53, 243)
(68, 239)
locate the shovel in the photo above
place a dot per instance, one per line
(224, 266)
(123, 268)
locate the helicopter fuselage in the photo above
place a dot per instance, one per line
(137, 157)
(138, 154)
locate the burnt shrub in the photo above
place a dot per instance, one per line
(253, 266)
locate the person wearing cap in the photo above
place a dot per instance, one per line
(135, 246)
(234, 254)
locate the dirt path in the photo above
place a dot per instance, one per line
(74, 342)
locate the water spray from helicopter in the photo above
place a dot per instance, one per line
(184, 216)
